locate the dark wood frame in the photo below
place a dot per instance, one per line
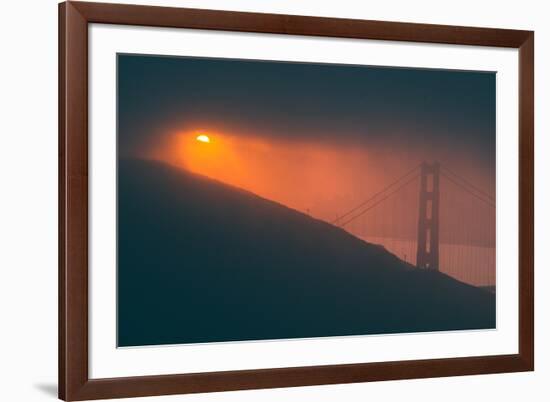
(74, 383)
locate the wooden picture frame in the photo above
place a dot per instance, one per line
(74, 381)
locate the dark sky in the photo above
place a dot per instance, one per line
(437, 111)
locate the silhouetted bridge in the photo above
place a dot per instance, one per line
(432, 218)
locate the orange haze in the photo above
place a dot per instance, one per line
(323, 179)
(320, 179)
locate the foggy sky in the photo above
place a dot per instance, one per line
(342, 132)
(372, 105)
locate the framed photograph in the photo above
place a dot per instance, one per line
(258, 201)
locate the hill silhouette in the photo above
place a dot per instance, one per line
(202, 261)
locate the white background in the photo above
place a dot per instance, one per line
(28, 200)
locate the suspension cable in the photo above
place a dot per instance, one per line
(378, 202)
(364, 203)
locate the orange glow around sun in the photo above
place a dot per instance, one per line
(316, 177)
(303, 175)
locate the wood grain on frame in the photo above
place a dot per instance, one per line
(74, 382)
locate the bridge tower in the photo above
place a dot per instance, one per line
(427, 255)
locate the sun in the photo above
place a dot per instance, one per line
(203, 138)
